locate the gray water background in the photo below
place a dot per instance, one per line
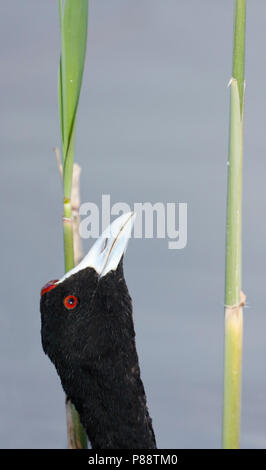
(152, 126)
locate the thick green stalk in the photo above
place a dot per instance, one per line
(233, 295)
(234, 203)
(239, 48)
(232, 378)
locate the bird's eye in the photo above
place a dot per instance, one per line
(70, 302)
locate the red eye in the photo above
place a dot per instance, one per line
(70, 302)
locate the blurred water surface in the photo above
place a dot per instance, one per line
(152, 126)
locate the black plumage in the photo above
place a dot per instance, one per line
(93, 349)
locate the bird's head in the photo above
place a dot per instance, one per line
(84, 313)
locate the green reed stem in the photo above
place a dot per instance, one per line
(73, 25)
(233, 296)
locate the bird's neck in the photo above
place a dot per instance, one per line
(112, 405)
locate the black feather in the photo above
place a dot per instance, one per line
(93, 349)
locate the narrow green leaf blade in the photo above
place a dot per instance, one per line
(74, 19)
(60, 84)
(60, 100)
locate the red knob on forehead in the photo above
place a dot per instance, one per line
(49, 286)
